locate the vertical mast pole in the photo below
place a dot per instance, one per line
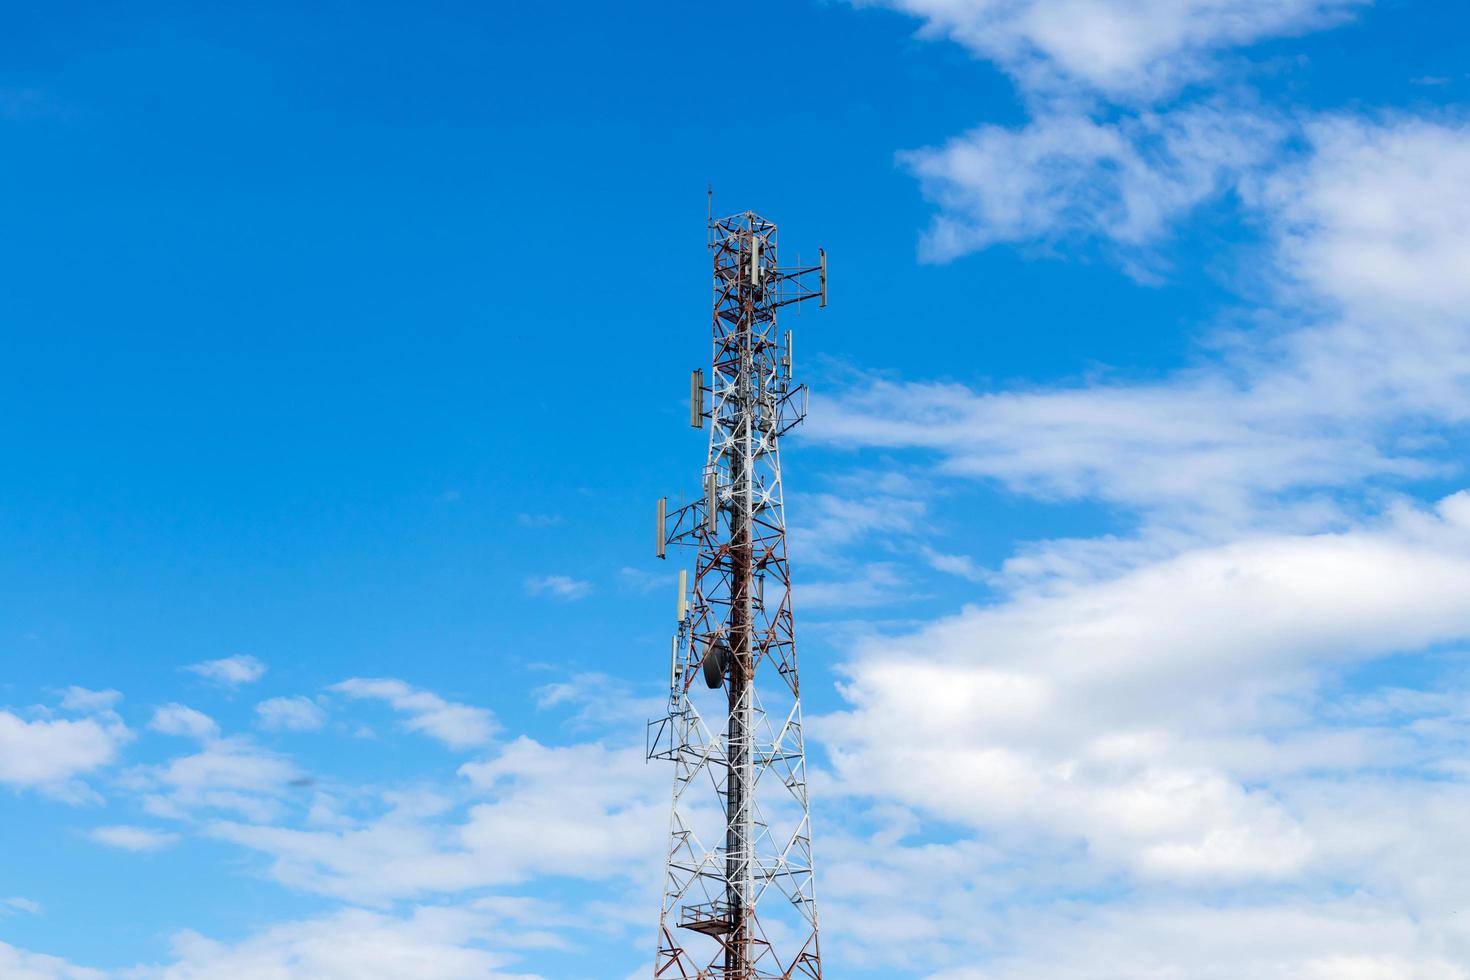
(738, 790)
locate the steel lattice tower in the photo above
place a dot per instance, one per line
(739, 897)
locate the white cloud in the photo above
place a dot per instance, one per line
(20, 904)
(1377, 218)
(599, 700)
(1347, 939)
(133, 838)
(179, 719)
(582, 811)
(458, 726)
(480, 940)
(1199, 443)
(874, 584)
(294, 714)
(50, 753)
(1368, 229)
(1141, 714)
(638, 580)
(1123, 48)
(432, 943)
(558, 587)
(18, 964)
(1160, 718)
(829, 526)
(962, 566)
(228, 774)
(84, 701)
(230, 671)
(1068, 176)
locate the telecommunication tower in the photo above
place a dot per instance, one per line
(739, 898)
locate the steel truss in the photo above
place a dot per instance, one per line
(740, 899)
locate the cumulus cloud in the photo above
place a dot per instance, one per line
(49, 753)
(294, 714)
(459, 726)
(1141, 712)
(1377, 219)
(1175, 740)
(230, 671)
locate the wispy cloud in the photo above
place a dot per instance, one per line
(179, 719)
(584, 811)
(230, 671)
(459, 726)
(640, 581)
(1121, 49)
(1366, 230)
(558, 587)
(294, 714)
(231, 774)
(1066, 176)
(428, 942)
(133, 838)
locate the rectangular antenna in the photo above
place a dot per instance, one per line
(673, 660)
(660, 549)
(696, 399)
(755, 261)
(712, 502)
(683, 593)
(790, 356)
(822, 254)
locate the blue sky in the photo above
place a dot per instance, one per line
(345, 351)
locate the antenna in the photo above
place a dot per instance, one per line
(712, 501)
(696, 399)
(822, 257)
